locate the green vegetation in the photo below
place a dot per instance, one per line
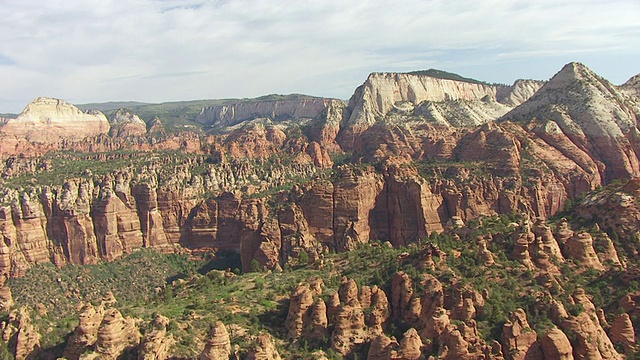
(194, 293)
(440, 74)
(178, 115)
(434, 169)
(52, 169)
(133, 281)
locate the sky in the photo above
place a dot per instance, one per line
(170, 50)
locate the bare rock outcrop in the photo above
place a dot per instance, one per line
(381, 348)
(401, 295)
(354, 197)
(264, 349)
(218, 345)
(607, 253)
(301, 302)
(563, 231)
(607, 123)
(350, 330)
(125, 123)
(382, 91)
(580, 248)
(548, 242)
(116, 334)
(318, 323)
(556, 345)
(157, 344)
(378, 312)
(589, 339)
(453, 345)
(21, 332)
(410, 346)
(116, 223)
(519, 340)
(435, 324)
(622, 332)
(6, 297)
(275, 110)
(86, 333)
(384, 348)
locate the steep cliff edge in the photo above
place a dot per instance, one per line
(421, 163)
(420, 97)
(592, 114)
(277, 110)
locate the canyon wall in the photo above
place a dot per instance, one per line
(232, 114)
(271, 192)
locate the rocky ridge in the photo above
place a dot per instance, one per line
(440, 173)
(277, 110)
(409, 158)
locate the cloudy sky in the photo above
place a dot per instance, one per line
(163, 50)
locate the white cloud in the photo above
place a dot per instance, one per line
(158, 50)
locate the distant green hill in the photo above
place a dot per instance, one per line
(111, 105)
(177, 114)
(440, 74)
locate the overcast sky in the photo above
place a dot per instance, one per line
(164, 50)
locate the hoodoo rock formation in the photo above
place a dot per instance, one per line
(116, 334)
(264, 349)
(156, 345)
(218, 345)
(447, 186)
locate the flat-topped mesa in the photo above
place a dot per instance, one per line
(47, 120)
(286, 109)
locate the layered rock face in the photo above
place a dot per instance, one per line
(157, 344)
(48, 125)
(218, 345)
(519, 341)
(520, 163)
(229, 115)
(85, 221)
(592, 114)
(115, 335)
(615, 210)
(422, 155)
(21, 333)
(264, 349)
(389, 96)
(86, 334)
(125, 123)
(49, 120)
(590, 338)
